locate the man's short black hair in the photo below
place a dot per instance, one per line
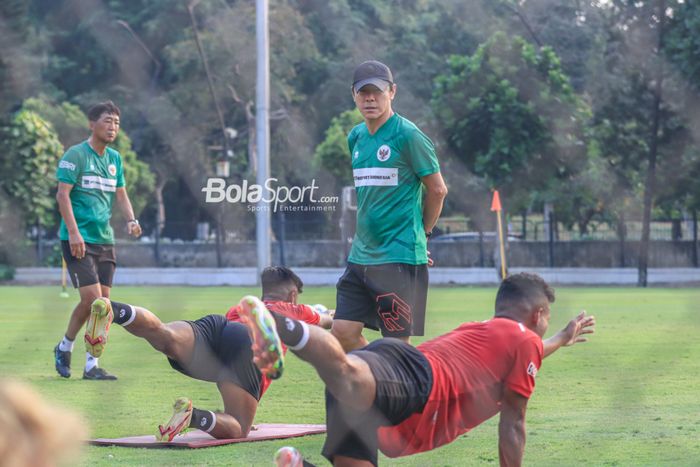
(107, 107)
(522, 292)
(279, 281)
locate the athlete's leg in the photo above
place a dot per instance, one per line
(349, 334)
(354, 309)
(239, 410)
(347, 377)
(81, 312)
(234, 422)
(175, 339)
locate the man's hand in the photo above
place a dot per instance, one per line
(430, 261)
(133, 228)
(577, 327)
(572, 333)
(77, 245)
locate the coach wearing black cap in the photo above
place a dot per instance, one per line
(385, 284)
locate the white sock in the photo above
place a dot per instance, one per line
(90, 361)
(66, 345)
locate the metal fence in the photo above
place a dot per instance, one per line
(325, 242)
(538, 230)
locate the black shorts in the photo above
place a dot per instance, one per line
(390, 297)
(404, 381)
(97, 265)
(222, 352)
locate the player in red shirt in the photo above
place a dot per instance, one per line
(404, 400)
(216, 349)
(284, 302)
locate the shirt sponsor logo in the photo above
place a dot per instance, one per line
(532, 370)
(93, 182)
(112, 169)
(383, 153)
(66, 165)
(376, 176)
(356, 155)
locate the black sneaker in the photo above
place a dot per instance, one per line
(62, 360)
(98, 373)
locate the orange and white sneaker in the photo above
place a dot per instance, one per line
(180, 421)
(97, 328)
(267, 347)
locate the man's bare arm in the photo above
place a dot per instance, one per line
(75, 239)
(124, 203)
(571, 334)
(511, 429)
(435, 194)
(326, 321)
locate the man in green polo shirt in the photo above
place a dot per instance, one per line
(90, 177)
(399, 198)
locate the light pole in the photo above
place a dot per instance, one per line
(262, 104)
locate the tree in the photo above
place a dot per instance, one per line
(571, 28)
(19, 60)
(681, 44)
(31, 151)
(510, 114)
(635, 74)
(139, 179)
(69, 122)
(333, 155)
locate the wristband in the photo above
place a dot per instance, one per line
(135, 221)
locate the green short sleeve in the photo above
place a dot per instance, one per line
(422, 154)
(120, 174)
(352, 138)
(69, 167)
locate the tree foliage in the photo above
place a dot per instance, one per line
(510, 114)
(509, 108)
(31, 151)
(333, 155)
(139, 179)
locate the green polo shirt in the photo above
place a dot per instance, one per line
(95, 179)
(387, 167)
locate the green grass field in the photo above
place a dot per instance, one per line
(630, 396)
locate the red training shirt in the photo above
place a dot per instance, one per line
(471, 366)
(298, 312)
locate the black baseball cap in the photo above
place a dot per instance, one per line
(371, 72)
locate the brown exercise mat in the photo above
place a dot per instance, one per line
(200, 439)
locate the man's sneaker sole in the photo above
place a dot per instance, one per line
(180, 420)
(261, 324)
(97, 328)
